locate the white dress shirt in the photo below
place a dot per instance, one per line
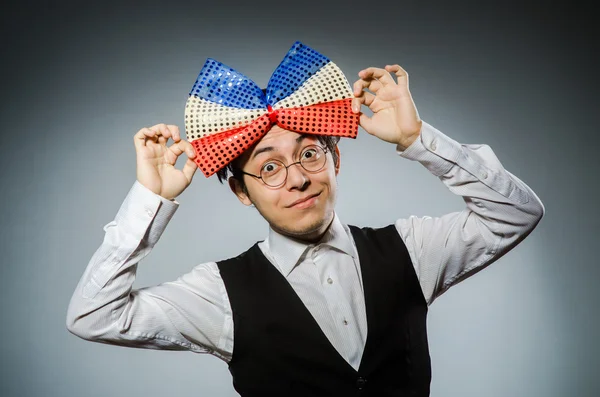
(193, 312)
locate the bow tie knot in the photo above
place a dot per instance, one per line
(272, 114)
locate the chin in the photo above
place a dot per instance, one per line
(300, 223)
(307, 224)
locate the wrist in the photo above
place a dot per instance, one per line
(408, 138)
(406, 142)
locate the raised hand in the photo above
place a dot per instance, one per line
(156, 162)
(395, 118)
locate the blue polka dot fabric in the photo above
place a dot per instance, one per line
(224, 85)
(299, 64)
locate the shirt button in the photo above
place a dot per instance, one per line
(484, 174)
(345, 322)
(433, 145)
(149, 212)
(360, 382)
(329, 280)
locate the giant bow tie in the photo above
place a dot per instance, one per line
(226, 112)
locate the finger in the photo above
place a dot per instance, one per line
(161, 129)
(174, 132)
(142, 136)
(163, 132)
(189, 168)
(365, 99)
(376, 73)
(372, 84)
(366, 123)
(189, 149)
(139, 138)
(183, 146)
(401, 74)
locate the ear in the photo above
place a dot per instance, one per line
(236, 188)
(339, 160)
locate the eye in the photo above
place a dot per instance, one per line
(309, 154)
(270, 167)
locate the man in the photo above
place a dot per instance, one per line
(318, 308)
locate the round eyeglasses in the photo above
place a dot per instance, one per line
(274, 172)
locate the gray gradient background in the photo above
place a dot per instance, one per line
(78, 83)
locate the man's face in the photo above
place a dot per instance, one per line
(306, 220)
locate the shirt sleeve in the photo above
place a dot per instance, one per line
(189, 313)
(501, 210)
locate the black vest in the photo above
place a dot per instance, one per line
(280, 350)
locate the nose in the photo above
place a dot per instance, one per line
(297, 177)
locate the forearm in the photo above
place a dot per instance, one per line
(103, 291)
(500, 211)
(490, 225)
(475, 173)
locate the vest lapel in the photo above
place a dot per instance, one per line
(371, 296)
(372, 293)
(305, 314)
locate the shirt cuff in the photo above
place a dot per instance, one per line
(145, 213)
(435, 150)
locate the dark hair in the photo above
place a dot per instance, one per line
(328, 141)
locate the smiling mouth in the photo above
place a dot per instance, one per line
(305, 201)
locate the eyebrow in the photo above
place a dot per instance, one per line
(271, 148)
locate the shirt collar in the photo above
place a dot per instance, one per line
(287, 251)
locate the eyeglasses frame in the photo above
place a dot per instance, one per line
(325, 151)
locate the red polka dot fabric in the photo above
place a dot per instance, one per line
(330, 118)
(214, 152)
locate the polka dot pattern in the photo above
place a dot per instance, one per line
(226, 112)
(221, 84)
(203, 117)
(331, 118)
(328, 84)
(298, 65)
(214, 152)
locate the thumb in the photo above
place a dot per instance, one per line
(366, 123)
(189, 169)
